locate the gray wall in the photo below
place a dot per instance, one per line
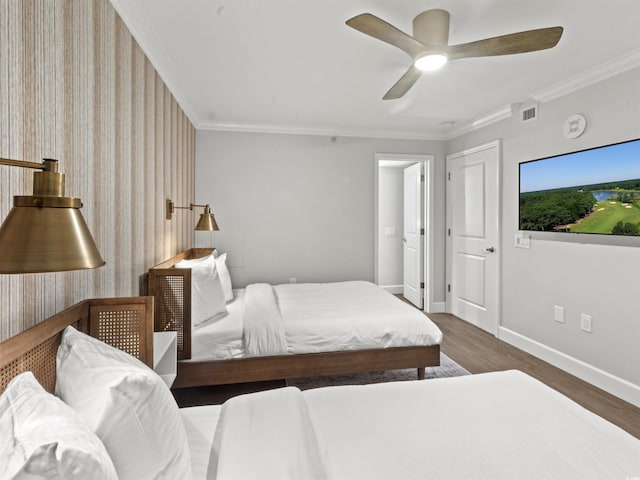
(600, 280)
(300, 206)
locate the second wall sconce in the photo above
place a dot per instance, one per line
(207, 221)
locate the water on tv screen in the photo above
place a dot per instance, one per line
(590, 191)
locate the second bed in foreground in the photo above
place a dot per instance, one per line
(501, 425)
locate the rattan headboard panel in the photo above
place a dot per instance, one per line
(171, 316)
(171, 289)
(36, 360)
(123, 328)
(120, 329)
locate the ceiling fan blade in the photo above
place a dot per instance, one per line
(377, 28)
(403, 85)
(521, 42)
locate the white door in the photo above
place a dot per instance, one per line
(411, 238)
(472, 236)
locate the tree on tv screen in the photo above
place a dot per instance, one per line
(625, 228)
(544, 211)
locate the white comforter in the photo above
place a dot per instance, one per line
(325, 317)
(263, 324)
(503, 425)
(266, 436)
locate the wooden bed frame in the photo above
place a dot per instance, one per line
(171, 289)
(125, 323)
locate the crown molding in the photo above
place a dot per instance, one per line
(321, 131)
(147, 39)
(502, 113)
(606, 70)
(495, 116)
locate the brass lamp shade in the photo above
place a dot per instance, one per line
(45, 232)
(46, 239)
(207, 221)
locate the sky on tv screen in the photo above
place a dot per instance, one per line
(599, 165)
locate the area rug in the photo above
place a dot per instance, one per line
(447, 368)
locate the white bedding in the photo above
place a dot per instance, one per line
(262, 323)
(321, 318)
(503, 425)
(220, 338)
(200, 425)
(267, 436)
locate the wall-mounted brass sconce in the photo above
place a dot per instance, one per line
(45, 232)
(207, 220)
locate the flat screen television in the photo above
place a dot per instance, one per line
(594, 191)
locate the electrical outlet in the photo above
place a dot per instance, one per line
(292, 280)
(558, 314)
(585, 322)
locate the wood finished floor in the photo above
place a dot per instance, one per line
(479, 352)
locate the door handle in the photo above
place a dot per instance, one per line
(489, 250)
(404, 240)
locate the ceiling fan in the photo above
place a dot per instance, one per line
(429, 46)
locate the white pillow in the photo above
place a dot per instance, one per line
(128, 406)
(225, 277)
(194, 261)
(42, 438)
(207, 296)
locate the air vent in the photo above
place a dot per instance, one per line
(529, 113)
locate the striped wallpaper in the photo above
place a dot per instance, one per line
(75, 86)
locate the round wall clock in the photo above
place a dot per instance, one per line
(574, 126)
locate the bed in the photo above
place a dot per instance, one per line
(298, 330)
(501, 425)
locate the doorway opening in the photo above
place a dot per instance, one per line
(404, 226)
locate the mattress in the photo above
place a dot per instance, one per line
(500, 425)
(322, 317)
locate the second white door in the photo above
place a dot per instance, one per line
(473, 235)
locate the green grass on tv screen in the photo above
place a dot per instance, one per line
(588, 209)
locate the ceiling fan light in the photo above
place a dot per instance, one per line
(430, 62)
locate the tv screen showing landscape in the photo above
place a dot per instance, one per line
(591, 191)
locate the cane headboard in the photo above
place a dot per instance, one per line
(125, 323)
(171, 289)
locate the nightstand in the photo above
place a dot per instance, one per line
(165, 356)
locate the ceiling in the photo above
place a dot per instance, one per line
(294, 66)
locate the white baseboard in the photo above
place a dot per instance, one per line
(438, 307)
(395, 289)
(610, 383)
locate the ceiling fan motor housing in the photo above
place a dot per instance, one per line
(432, 27)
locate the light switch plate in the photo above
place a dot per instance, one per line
(558, 314)
(522, 240)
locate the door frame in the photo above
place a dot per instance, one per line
(427, 217)
(497, 144)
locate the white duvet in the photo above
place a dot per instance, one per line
(503, 425)
(311, 318)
